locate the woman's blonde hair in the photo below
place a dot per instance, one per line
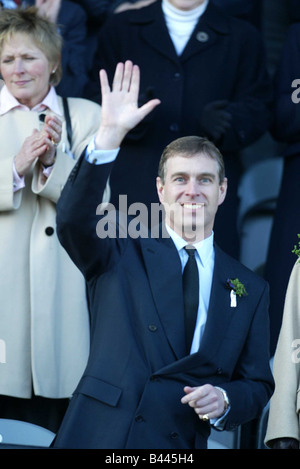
(43, 33)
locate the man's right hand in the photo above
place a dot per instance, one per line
(119, 111)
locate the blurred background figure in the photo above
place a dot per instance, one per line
(286, 225)
(283, 431)
(44, 322)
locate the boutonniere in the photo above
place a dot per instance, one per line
(296, 249)
(236, 289)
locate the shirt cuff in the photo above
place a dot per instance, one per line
(18, 181)
(219, 423)
(47, 170)
(97, 157)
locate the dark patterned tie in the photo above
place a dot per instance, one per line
(190, 282)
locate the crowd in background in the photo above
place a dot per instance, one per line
(243, 104)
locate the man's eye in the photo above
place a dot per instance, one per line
(179, 179)
(205, 180)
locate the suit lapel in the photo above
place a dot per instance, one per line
(220, 312)
(165, 280)
(220, 318)
(164, 273)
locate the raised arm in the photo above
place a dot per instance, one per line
(77, 221)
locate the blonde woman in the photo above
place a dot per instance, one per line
(44, 323)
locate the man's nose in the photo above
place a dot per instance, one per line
(192, 188)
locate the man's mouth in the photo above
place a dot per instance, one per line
(192, 206)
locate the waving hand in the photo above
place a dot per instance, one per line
(120, 112)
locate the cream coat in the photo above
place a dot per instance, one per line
(44, 325)
(285, 402)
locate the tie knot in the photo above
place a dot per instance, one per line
(190, 250)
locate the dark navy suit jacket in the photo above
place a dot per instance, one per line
(129, 395)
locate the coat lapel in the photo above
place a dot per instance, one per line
(154, 31)
(207, 31)
(164, 273)
(156, 35)
(220, 312)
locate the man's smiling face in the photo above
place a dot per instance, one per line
(191, 193)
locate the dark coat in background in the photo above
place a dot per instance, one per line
(286, 225)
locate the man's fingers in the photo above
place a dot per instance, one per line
(149, 106)
(197, 393)
(192, 394)
(105, 88)
(123, 76)
(131, 77)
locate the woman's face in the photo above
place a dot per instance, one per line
(25, 70)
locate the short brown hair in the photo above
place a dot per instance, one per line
(191, 146)
(43, 33)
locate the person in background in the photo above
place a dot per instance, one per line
(286, 224)
(71, 22)
(283, 430)
(249, 10)
(96, 12)
(44, 321)
(167, 361)
(208, 70)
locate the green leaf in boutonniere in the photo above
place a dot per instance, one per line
(237, 286)
(296, 249)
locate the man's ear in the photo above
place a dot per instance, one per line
(222, 191)
(160, 189)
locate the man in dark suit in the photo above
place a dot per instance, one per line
(144, 386)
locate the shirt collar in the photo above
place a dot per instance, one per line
(204, 247)
(9, 102)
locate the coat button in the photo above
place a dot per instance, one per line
(174, 435)
(49, 231)
(219, 371)
(152, 327)
(139, 418)
(174, 127)
(154, 378)
(202, 36)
